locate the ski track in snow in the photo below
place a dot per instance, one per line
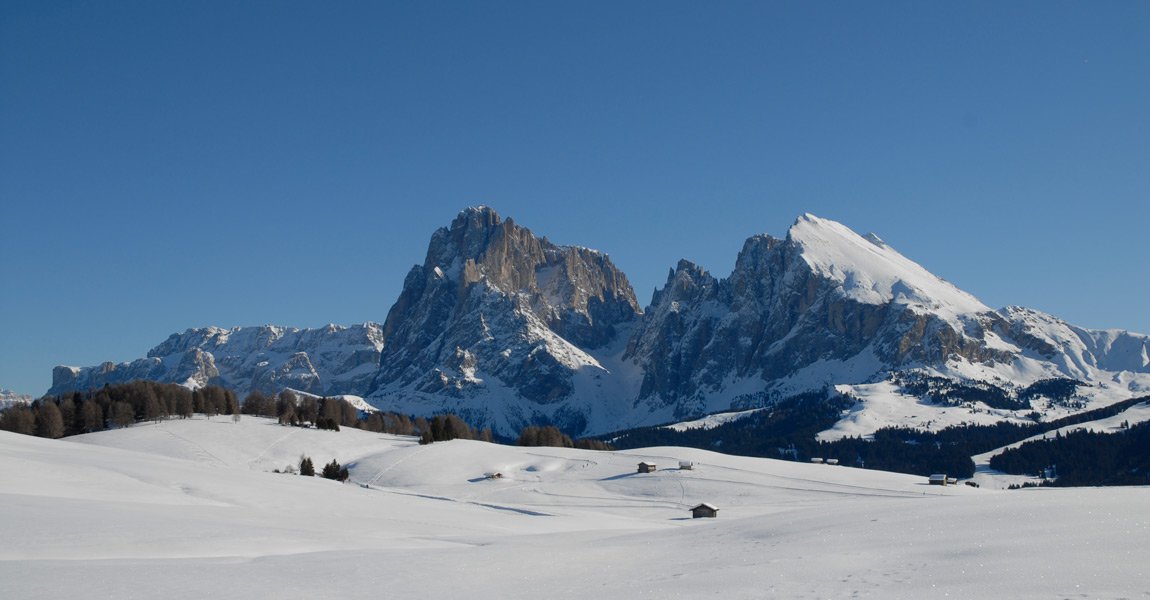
(263, 453)
(391, 466)
(197, 449)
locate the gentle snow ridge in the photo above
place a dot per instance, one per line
(872, 272)
(187, 509)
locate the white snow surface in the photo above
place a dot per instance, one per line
(881, 404)
(188, 509)
(712, 421)
(872, 272)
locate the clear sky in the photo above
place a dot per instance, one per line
(166, 165)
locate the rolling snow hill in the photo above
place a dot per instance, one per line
(190, 509)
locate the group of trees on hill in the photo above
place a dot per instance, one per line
(302, 410)
(788, 429)
(115, 406)
(1083, 457)
(122, 405)
(446, 427)
(943, 390)
(332, 470)
(549, 435)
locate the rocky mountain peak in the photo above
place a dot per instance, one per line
(496, 307)
(506, 328)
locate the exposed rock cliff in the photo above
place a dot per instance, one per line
(506, 329)
(502, 321)
(826, 306)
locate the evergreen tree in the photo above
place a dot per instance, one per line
(333, 470)
(306, 468)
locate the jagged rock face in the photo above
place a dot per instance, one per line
(329, 360)
(1077, 351)
(822, 296)
(506, 329)
(493, 306)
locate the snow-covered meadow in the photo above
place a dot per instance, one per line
(192, 509)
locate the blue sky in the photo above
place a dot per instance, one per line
(167, 165)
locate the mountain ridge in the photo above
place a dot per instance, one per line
(508, 329)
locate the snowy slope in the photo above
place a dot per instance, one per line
(870, 271)
(985, 476)
(186, 509)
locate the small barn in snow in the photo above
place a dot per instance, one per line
(686, 465)
(704, 510)
(646, 467)
(938, 479)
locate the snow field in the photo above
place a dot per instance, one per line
(188, 509)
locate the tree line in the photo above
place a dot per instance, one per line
(1082, 457)
(122, 405)
(550, 435)
(788, 430)
(114, 406)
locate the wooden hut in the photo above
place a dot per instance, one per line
(686, 465)
(646, 467)
(938, 479)
(704, 510)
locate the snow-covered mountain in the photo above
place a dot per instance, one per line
(506, 329)
(9, 398)
(827, 308)
(328, 360)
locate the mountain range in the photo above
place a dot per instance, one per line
(505, 328)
